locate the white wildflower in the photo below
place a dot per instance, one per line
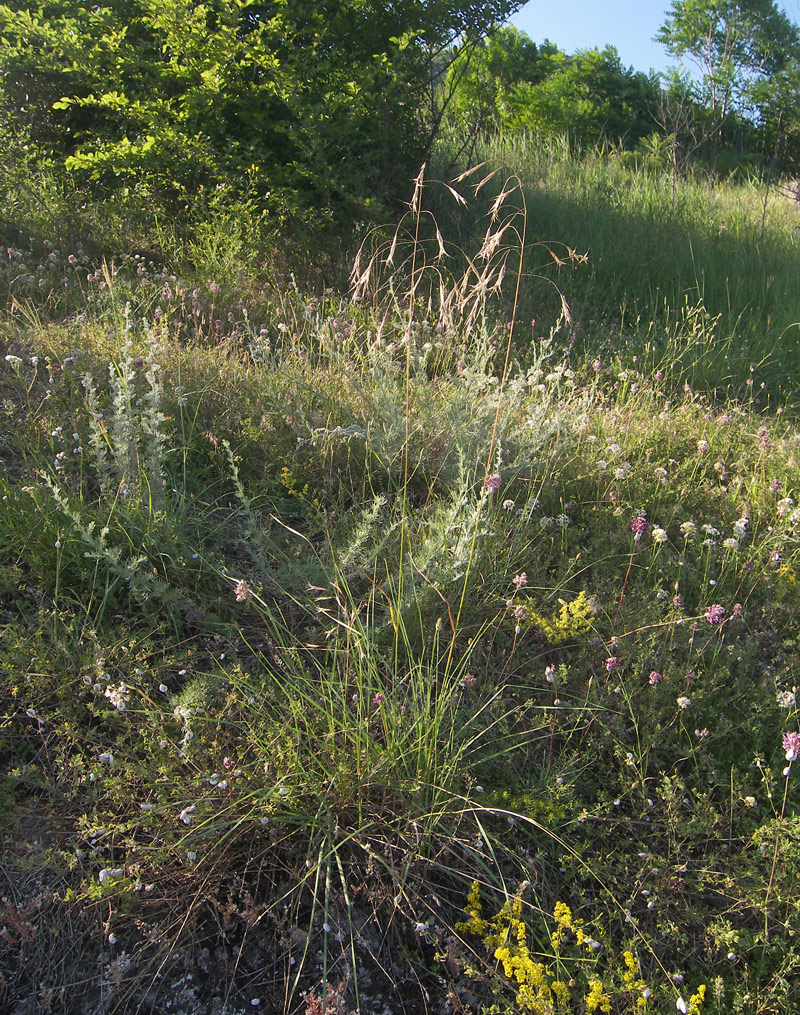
(740, 527)
(109, 874)
(118, 696)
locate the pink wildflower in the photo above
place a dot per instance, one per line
(612, 663)
(493, 482)
(638, 527)
(791, 744)
(655, 677)
(520, 581)
(715, 613)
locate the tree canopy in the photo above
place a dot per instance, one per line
(733, 43)
(314, 105)
(510, 83)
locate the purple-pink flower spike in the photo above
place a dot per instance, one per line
(715, 614)
(791, 744)
(638, 527)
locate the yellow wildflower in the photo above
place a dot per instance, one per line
(597, 999)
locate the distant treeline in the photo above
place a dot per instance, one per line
(506, 84)
(321, 112)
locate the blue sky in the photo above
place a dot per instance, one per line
(627, 24)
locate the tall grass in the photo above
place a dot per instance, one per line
(662, 251)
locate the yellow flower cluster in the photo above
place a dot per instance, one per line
(566, 922)
(475, 924)
(570, 621)
(631, 980)
(597, 999)
(505, 935)
(697, 999)
(290, 485)
(538, 989)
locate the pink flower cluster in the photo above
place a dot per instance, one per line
(791, 744)
(638, 527)
(715, 614)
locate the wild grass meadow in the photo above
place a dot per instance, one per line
(422, 643)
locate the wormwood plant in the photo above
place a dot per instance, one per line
(110, 494)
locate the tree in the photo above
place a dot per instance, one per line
(510, 84)
(316, 105)
(733, 43)
(592, 97)
(778, 105)
(486, 77)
